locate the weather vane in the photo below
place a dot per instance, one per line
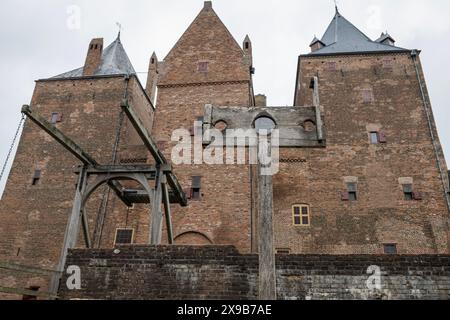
(119, 25)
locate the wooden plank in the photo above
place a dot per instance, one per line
(152, 147)
(72, 229)
(156, 214)
(69, 145)
(167, 213)
(267, 274)
(25, 269)
(25, 292)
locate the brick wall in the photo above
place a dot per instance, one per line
(223, 215)
(220, 272)
(380, 215)
(34, 217)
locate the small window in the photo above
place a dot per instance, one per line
(374, 138)
(247, 45)
(196, 188)
(408, 192)
(352, 191)
(367, 95)
(202, 67)
(283, 251)
(56, 117)
(390, 248)
(388, 64)
(36, 177)
(332, 65)
(124, 236)
(301, 215)
(31, 297)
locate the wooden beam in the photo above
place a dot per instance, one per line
(152, 147)
(25, 292)
(156, 214)
(267, 271)
(72, 229)
(56, 134)
(25, 269)
(145, 169)
(69, 145)
(167, 213)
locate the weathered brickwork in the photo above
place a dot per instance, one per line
(223, 215)
(221, 272)
(360, 94)
(380, 215)
(34, 217)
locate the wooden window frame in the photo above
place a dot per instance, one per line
(301, 215)
(124, 229)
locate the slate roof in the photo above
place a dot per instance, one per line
(114, 61)
(342, 36)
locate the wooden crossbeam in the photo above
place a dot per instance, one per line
(25, 269)
(152, 147)
(25, 292)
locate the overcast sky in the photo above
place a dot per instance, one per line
(43, 38)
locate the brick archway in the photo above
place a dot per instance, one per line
(193, 238)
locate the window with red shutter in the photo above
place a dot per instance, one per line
(345, 196)
(202, 67)
(417, 196)
(382, 137)
(56, 117)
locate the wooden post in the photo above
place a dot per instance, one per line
(156, 226)
(267, 275)
(72, 229)
(165, 196)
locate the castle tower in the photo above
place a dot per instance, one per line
(206, 66)
(380, 184)
(85, 104)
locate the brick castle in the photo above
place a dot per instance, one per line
(376, 184)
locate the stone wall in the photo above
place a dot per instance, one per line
(221, 272)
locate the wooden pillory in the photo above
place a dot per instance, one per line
(91, 175)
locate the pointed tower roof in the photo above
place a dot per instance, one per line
(342, 36)
(115, 61)
(207, 40)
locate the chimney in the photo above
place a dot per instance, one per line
(152, 79)
(208, 5)
(260, 100)
(94, 57)
(316, 44)
(248, 51)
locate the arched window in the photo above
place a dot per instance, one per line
(301, 215)
(265, 123)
